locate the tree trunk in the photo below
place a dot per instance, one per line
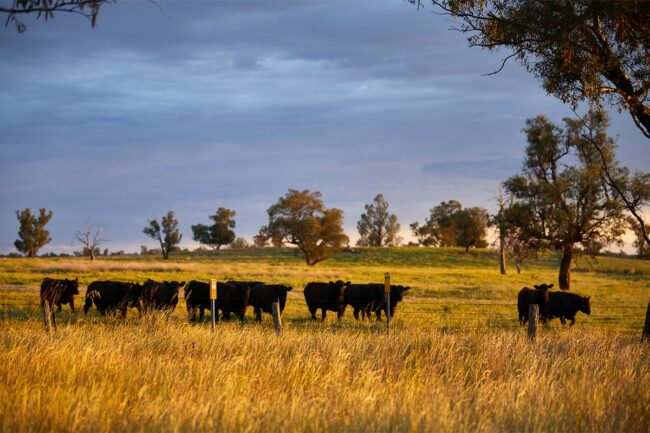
(467, 248)
(502, 258)
(92, 254)
(565, 267)
(518, 266)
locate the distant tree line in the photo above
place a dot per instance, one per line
(572, 196)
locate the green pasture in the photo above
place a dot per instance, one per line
(448, 287)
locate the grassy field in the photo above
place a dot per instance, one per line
(457, 360)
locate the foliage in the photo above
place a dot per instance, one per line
(580, 50)
(377, 227)
(32, 234)
(451, 225)
(301, 218)
(219, 233)
(47, 8)
(239, 243)
(558, 199)
(168, 235)
(261, 238)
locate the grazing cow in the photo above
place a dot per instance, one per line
(326, 296)
(371, 298)
(264, 295)
(233, 297)
(160, 295)
(565, 305)
(527, 297)
(112, 296)
(57, 292)
(396, 295)
(197, 297)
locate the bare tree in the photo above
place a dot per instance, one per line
(89, 238)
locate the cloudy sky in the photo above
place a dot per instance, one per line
(207, 104)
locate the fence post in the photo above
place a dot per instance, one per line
(646, 326)
(277, 320)
(387, 293)
(533, 314)
(47, 316)
(213, 299)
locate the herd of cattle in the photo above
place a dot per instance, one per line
(234, 297)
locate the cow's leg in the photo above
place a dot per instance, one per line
(312, 311)
(572, 319)
(258, 314)
(324, 314)
(563, 320)
(356, 313)
(58, 306)
(72, 303)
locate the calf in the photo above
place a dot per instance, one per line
(112, 296)
(160, 295)
(326, 297)
(57, 292)
(528, 296)
(264, 295)
(565, 305)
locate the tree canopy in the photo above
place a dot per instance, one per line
(218, 234)
(32, 234)
(559, 200)
(377, 227)
(300, 218)
(167, 234)
(580, 50)
(47, 8)
(450, 225)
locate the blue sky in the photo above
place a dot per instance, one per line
(230, 104)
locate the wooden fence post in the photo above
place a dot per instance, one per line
(47, 316)
(277, 320)
(387, 293)
(213, 299)
(533, 314)
(646, 327)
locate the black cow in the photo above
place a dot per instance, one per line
(233, 297)
(264, 295)
(112, 296)
(566, 305)
(326, 296)
(371, 298)
(396, 295)
(160, 295)
(527, 297)
(57, 292)
(197, 297)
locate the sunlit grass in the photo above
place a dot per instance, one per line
(456, 359)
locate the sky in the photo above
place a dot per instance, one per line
(195, 105)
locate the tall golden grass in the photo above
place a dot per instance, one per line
(157, 375)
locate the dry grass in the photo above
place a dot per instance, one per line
(170, 376)
(457, 359)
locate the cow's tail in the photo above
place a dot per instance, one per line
(88, 302)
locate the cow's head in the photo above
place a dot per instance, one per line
(397, 293)
(542, 294)
(72, 286)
